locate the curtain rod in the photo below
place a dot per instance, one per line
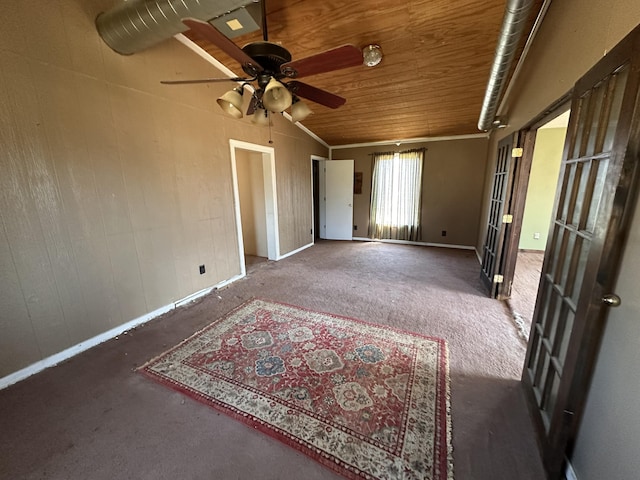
(413, 150)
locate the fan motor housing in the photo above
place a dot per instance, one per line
(268, 55)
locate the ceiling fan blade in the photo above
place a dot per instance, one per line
(205, 80)
(335, 59)
(210, 33)
(315, 94)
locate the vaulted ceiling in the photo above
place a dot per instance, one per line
(431, 82)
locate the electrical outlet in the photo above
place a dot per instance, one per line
(202, 270)
(355, 227)
(536, 236)
(444, 233)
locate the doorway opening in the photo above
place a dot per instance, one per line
(254, 192)
(537, 216)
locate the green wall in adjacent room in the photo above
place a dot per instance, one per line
(543, 180)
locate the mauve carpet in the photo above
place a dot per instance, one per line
(95, 417)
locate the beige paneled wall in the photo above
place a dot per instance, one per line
(113, 187)
(451, 191)
(293, 170)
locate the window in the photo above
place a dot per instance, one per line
(396, 195)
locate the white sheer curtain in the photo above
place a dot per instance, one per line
(396, 195)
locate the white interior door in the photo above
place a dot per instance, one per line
(339, 199)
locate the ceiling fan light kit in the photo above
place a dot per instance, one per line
(231, 102)
(299, 111)
(260, 117)
(276, 97)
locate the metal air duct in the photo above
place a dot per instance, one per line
(515, 19)
(139, 24)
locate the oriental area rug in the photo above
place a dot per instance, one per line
(367, 401)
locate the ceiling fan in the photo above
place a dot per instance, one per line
(268, 64)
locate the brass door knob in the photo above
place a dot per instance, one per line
(611, 300)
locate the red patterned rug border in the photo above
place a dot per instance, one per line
(443, 408)
(270, 430)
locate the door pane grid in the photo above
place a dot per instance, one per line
(572, 130)
(574, 267)
(580, 269)
(564, 342)
(562, 256)
(582, 185)
(541, 368)
(565, 334)
(598, 186)
(551, 378)
(568, 187)
(550, 401)
(597, 101)
(605, 114)
(586, 121)
(490, 249)
(573, 191)
(551, 361)
(591, 179)
(552, 314)
(535, 348)
(620, 80)
(580, 124)
(554, 250)
(566, 261)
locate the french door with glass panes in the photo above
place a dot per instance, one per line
(597, 187)
(493, 254)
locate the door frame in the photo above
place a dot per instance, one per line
(519, 173)
(270, 198)
(527, 138)
(321, 233)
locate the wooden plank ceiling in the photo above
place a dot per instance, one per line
(431, 82)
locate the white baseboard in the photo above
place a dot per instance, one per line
(192, 297)
(569, 473)
(103, 337)
(407, 242)
(293, 252)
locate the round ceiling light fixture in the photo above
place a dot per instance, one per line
(372, 55)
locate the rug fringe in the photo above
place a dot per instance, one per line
(449, 423)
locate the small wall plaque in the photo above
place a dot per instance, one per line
(357, 183)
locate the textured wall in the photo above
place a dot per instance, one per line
(113, 187)
(451, 189)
